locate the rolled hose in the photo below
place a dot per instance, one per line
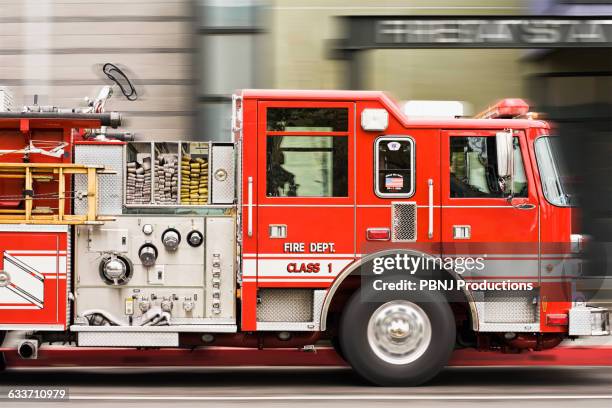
(154, 317)
(112, 319)
(110, 119)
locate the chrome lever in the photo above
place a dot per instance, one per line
(524, 206)
(430, 212)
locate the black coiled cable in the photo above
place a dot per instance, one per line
(123, 82)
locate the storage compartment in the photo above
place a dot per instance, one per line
(138, 169)
(194, 173)
(170, 174)
(166, 179)
(222, 173)
(33, 277)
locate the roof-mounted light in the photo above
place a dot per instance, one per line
(505, 109)
(374, 119)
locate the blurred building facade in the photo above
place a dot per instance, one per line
(56, 48)
(187, 56)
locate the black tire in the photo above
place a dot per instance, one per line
(2, 359)
(335, 342)
(367, 364)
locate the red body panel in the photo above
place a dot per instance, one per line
(499, 230)
(36, 262)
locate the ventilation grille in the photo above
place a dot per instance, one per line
(285, 305)
(403, 220)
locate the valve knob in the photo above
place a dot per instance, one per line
(171, 239)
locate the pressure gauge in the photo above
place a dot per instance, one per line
(147, 229)
(195, 238)
(171, 239)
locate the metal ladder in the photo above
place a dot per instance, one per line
(51, 173)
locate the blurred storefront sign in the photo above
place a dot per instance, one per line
(515, 33)
(362, 33)
(370, 32)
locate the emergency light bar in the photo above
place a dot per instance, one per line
(505, 109)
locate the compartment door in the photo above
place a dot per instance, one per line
(305, 194)
(33, 277)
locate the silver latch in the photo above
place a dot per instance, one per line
(462, 231)
(277, 231)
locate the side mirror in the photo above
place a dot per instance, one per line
(505, 153)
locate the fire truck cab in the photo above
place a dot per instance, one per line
(332, 215)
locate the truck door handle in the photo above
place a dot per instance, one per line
(525, 206)
(431, 208)
(250, 207)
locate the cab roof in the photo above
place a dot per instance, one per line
(392, 106)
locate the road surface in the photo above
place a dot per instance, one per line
(314, 387)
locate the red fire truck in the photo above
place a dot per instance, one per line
(319, 221)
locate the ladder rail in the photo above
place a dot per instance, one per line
(46, 172)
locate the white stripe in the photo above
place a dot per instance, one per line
(307, 205)
(249, 267)
(347, 397)
(374, 206)
(44, 263)
(278, 267)
(295, 280)
(13, 252)
(32, 228)
(20, 307)
(300, 255)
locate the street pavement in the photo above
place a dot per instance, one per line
(314, 387)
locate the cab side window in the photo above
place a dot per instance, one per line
(307, 166)
(473, 169)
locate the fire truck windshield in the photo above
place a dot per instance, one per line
(552, 173)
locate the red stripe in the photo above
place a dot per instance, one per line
(325, 356)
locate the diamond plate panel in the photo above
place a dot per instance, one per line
(580, 321)
(110, 186)
(285, 305)
(128, 339)
(510, 307)
(222, 174)
(403, 221)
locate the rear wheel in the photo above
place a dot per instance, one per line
(398, 342)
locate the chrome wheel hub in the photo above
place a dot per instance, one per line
(399, 332)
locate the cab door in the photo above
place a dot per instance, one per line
(305, 192)
(484, 217)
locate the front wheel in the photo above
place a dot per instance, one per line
(399, 342)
